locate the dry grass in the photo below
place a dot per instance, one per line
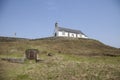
(64, 64)
(87, 47)
(63, 67)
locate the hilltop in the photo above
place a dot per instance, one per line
(87, 47)
(71, 59)
(79, 46)
(11, 39)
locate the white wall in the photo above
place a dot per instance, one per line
(72, 35)
(83, 36)
(79, 35)
(60, 33)
(66, 34)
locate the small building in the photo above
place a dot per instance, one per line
(31, 54)
(65, 32)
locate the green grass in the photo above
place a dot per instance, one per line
(86, 47)
(63, 67)
(72, 59)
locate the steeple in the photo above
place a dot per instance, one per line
(56, 25)
(56, 29)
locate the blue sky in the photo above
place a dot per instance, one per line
(98, 19)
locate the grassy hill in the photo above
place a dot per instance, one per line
(86, 47)
(80, 46)
(72, 59)
(11, 39)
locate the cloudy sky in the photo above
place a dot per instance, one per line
(98, 19)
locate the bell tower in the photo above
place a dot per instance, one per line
(56, 25)
(56, 29)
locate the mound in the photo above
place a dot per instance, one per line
(86, 47)
(80, 46)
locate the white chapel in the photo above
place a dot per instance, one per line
(65, 32)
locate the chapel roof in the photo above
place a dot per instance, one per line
(70, 30)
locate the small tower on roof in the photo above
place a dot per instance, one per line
(56, 24)
(56, 29)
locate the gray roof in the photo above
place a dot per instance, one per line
(70, 30)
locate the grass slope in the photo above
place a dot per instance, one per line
(64, 64)
(81, 46)
(87, 47)
(11, 39)
(63, 67)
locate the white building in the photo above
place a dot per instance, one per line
(65, 32)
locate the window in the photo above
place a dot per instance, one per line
(72, 35)
(63, 32)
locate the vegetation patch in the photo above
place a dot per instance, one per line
(23, 77)
(60, 59)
